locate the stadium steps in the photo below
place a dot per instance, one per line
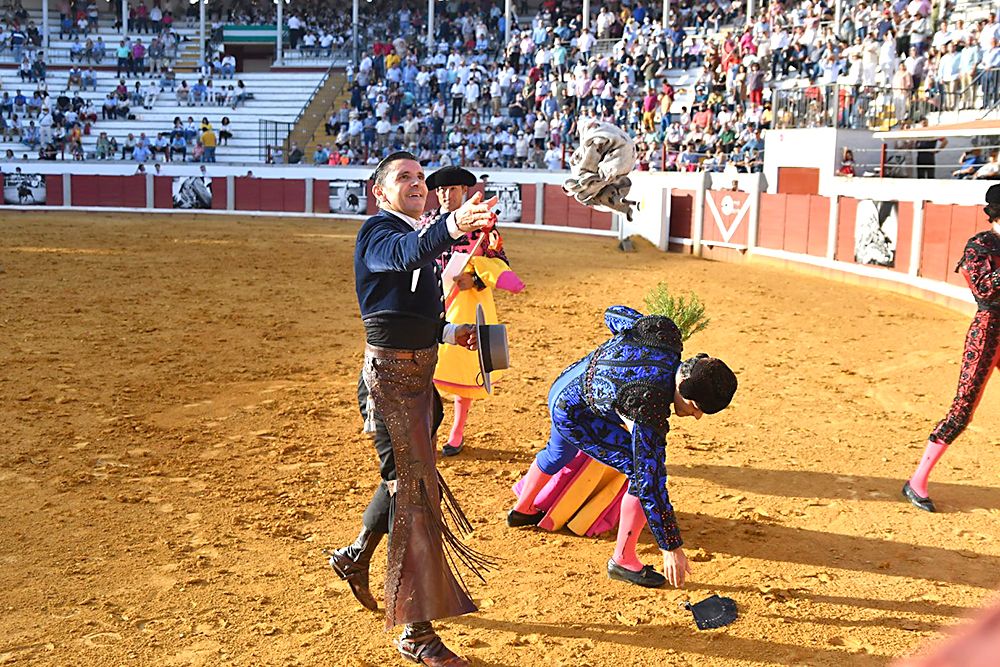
(187, 59)
(277, 96)
(336, 92)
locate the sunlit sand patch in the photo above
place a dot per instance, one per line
(63, 251)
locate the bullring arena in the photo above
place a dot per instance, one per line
(182, 441)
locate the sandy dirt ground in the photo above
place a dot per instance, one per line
(180, 440)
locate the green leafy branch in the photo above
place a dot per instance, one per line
(687, 311)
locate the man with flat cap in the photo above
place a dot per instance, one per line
(402, 308)
(457, 370)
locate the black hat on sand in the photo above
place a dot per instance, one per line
(711, 384)
(448, 176)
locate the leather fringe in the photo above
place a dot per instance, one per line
(456, 551)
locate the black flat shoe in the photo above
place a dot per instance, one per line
(646, 577)
(448, 450)
(920, 502)
(517, 519)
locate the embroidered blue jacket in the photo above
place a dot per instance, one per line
(386, 254)
(631, 376)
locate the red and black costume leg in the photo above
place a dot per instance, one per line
(982, 352)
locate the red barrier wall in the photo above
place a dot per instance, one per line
(794, 223)
(321, 196)
(54, 190)
(845, 229)
(528, 203)
(726, 216)
(681, 213)
(163, 193)
(115, 191)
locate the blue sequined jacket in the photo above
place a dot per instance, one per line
(631, 376)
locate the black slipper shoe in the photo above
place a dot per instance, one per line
(448, 450)
(926, 504)
(646, 577)
(517, 519)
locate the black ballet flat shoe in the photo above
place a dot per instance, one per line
(647, 577)
(919, 502)
(517, 519)
(448, 450)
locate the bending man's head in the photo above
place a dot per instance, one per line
(705, 385)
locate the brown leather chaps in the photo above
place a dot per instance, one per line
(419, 584)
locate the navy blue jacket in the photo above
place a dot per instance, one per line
(387, 252)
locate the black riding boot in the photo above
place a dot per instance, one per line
(351, 564)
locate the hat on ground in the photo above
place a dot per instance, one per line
(448, 176)
(494, 354)
(710, 383)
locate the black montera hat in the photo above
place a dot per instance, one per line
(711, 384)
(993, 195)
(447, 176)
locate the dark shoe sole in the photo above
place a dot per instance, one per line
(647, 577)
(517, 519)
(925, 504)
(448, 450)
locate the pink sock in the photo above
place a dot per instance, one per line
(534, 480)
(462, 406)
(935, 450)
(630, 526)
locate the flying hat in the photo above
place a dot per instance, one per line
(711, 384)
(494, 353)
(447, 176)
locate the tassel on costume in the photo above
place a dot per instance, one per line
(456, 551)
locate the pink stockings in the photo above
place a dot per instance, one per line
(932, 454)
(534, 480)
(630, 526)
(462, 406)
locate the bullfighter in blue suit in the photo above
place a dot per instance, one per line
(402, 308)
(614, 405)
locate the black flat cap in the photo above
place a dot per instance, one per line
(447, 176)
(993, 194)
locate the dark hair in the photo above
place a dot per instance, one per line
(378, 177)
(707, 381)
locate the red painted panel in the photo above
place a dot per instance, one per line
(600, 220)
(797, 223)
(819, 225)
(904, 236)
(84, 190)
(577, 214)
(965, 221)
(294, 194)
(847, 213)
(272, 194)
(556, 204)
(432, 201)
(771, 227)
(132, 191)
(54, 189)
(724, 210)
(681, 213)
(163, 194)
(220, 190)
(321, 196)
(934, 249)
(372, 204)
(528, 203)
(246, 196)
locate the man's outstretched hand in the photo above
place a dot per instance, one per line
(476, 213)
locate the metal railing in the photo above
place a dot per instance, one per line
(879, 108)
(273, 134)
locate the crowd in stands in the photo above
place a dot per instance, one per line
(699, 93)
(53, 125)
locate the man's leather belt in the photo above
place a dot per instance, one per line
(390, 353)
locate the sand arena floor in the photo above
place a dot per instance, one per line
(180, 439)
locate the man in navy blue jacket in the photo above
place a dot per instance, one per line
(402, 307)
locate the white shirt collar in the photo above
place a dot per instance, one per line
(412, 222)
